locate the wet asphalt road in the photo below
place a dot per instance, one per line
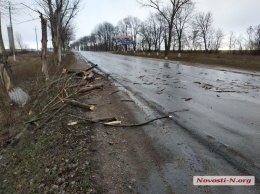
(218, 133)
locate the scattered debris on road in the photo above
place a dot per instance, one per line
(187, 99)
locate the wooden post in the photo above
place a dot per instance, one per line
(44, 47)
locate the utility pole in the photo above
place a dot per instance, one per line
(12, 47)
(126, 35)
(36, 40)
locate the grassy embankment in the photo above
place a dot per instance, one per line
(47, 160)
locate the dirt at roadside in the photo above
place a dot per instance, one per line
(83, 158)
(119, 152)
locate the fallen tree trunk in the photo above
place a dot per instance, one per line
(79, 104)
(87, 89)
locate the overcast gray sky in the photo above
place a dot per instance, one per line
(235, 15)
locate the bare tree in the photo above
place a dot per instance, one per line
(183, 16)
(240, 43)
(250, 37)
(67, 35)
(203, 23)
(4, 7)
(253, 38)
(105, 34)
(146, 33)
(19, 40)
(156, 27)
(231, 40)
(134, 25)
(193, 39)
(161, 34)
(60, 13)
(257, 38)
(168, 12)
(122, 29)
(93, 41)
(218, 39)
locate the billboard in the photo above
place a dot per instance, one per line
(124, 40)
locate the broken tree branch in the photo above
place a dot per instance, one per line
(114, 92)
(34, 120)
(51, 116)
(79, 104)
(130, 125)
(220, 91)
(105, 119)
(71, 75)
(78, 85)
(86, 89)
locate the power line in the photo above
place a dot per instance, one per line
(28, 20)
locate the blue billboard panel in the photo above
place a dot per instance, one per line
(124, 40)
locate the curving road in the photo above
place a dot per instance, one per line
(216, 133)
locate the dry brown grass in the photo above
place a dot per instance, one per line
(28, 76)
(27, 66)
(220, 59)
(30, 150)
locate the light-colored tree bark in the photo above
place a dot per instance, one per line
(16, 94)
(44, 47)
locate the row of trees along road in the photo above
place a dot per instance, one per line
(172, 26)
(58, 15)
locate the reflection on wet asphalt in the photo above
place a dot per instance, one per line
(224, 106)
